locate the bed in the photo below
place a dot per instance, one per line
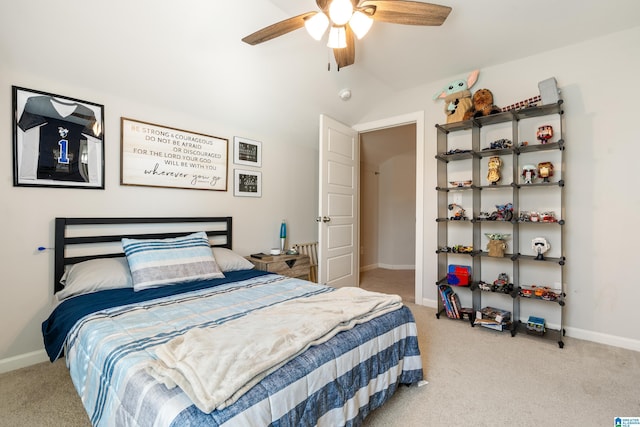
(168, 351)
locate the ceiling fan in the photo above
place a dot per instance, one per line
(352, 17)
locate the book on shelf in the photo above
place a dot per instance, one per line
(450, 301)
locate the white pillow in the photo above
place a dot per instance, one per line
(228, 260)
(95, 275)
(163, 262)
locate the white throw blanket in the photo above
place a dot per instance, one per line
(214, 367)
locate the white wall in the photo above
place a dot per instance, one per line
(369, 228)
(599, 83)
(289, 191)
(397, 207)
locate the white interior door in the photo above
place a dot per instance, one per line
(338, 204)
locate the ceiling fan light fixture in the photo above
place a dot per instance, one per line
(337, 38)
(340, 11)
(316, 25)
(360, 23)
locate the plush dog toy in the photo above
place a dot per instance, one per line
(482, 105)
(457, 97)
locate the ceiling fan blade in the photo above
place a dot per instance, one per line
(407, 12)
(347, 55)
(323, 5)
(277, 29)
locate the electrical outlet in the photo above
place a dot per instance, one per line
(457, 198)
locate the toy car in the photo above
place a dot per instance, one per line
(548, 217)
(526, 293)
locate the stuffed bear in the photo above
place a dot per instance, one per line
(482, 105)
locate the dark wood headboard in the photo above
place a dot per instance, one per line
(73, 233)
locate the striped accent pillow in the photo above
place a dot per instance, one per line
(161, 262)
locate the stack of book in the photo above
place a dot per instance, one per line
(493, 318)
(451, 302)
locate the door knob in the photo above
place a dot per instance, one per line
(326, 219)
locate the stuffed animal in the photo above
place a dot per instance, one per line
(482, 105)
(457, 97)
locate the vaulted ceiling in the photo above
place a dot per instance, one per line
(188, 56)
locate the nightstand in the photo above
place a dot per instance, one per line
(287, 265)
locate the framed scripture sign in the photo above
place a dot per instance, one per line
(247, 152)
(57, 141)
(247, 183)
(160, 156)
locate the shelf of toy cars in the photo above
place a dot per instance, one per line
(482, 286)
(549, 333)
(455, 155)
(490, 152)
(453, 220)
(545, 294)
(558, 260)
(494, 221)
(558, 222)
(458, 250)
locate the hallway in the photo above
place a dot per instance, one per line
(400, 282)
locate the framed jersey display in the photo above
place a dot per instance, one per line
(57, 141)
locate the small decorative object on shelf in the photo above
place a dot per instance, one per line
(283, 235)
(459, 275)
(529, 173)
(545, 171)
(540, 245)
(535, 326)
(497, 245)
(459, 184)
(500, 144)
(493, 176)
(459, 213)
(501, 284)
(544, 134)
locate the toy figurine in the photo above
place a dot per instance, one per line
(540, 245)
(529, 173)
(544, 134)
(545, 171)
(496, 245)
(495, 163)
(459, 214)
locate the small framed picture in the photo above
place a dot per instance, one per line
(57, 141)
(247, 183)
(247, 152)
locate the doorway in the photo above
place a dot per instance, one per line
(388, 210)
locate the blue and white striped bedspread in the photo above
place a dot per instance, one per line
(336, 383)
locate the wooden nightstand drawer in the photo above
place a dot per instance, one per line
(286, 265)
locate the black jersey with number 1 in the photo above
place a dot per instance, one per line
(62, 148)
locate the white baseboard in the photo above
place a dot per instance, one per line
(581, 334)
(612, 340)
(397, 267)
(387, 267)
(23, 360)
